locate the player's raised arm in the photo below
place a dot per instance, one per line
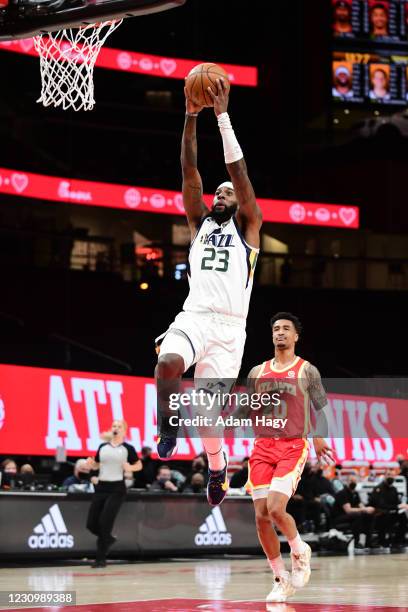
(249, 211)
(192, 183)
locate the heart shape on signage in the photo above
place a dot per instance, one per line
(168, 66)
(19, 182)
(347, 215)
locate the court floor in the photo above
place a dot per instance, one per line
(338, 584)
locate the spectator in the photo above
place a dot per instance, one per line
(80, 481)
(163, 481)
(404, 471)
(304, 508)
(27, 469)
(240, 478)
(390, 522)
(349, 510)
(149, 465)
(197, 484)
(8, 469)
(200, 466)
(322, 491)
(8, 466)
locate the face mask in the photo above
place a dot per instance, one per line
(163, 479)
(389, 481)
(84, 476)
(352, 486)
(319, 472)
(196, 488)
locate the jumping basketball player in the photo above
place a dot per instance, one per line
(210, 331)
(277, 462)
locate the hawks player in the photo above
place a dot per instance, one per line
(210, 331)
(277, 461)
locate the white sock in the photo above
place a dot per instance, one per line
(277, 565)
(297, 545)
(215, 455)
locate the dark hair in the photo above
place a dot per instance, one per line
(380, 6)
(162, 467)
(289, 317)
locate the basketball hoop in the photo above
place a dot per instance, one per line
(67, 61)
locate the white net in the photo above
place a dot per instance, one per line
(67, 60)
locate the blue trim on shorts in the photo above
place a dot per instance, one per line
(180, 331)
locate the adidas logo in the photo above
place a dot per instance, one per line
(51, 532)
(214, 531)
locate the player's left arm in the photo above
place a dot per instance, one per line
(249, 212)
(318, 397)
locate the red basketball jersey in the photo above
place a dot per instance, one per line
(292, 397)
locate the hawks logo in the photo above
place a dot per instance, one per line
(291, 374)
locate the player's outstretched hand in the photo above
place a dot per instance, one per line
(191, 107)
(220, 99)
(323, 451)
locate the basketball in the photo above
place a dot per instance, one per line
(200, 78)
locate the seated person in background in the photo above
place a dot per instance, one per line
(197, 484)
(149, 465)
(8, 468)
(199, 466)
(304, 508)
(27, 469)
(240, 478)
(80, 481)
(350, 510)
(25, 477)
(391, 520)
(163, 481)
(322, 491)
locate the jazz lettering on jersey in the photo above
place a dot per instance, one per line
(217, 239)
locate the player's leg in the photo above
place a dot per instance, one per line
(284, 483)
(216, 373)
(261, 471)
(178, 349)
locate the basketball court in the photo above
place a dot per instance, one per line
(338, 584)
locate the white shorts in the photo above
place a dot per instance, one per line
(214, 342)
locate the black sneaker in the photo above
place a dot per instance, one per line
(98, 563)
(218, 484)
(166, 446)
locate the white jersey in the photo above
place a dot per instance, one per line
(221, 269)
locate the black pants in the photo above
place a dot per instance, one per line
(106, 503)
(359, 522)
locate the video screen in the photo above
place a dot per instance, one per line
(370, 78)
(370, 20)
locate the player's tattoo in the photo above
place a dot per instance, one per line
(315, 387)
(189, 145)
